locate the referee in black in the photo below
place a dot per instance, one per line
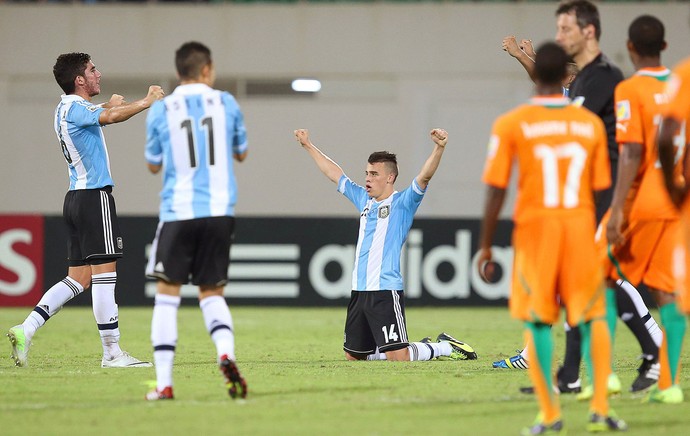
(578, 32)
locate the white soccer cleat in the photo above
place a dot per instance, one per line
(124, 360)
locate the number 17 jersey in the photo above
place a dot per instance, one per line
(194, 133)
(561, 153)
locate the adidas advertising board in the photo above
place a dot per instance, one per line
(275, 261)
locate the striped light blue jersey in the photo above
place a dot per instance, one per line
(83, 144)
(383, 229)
(193, 133)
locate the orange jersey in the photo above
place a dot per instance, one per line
(678, 91)
(639, 106)
(561, 153)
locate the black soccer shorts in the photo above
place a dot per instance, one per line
(93, 232)
(375, 319)
(196, 250)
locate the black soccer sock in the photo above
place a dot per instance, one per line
(570, 371)
(636, 318)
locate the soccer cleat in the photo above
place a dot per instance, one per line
(566, 386)
(124, 360)
(613, 386)
(672, 395)
(648, 375)
(425, 340)
(233, 380)
(598, 423)
(20, 346)
(541, 428)
(461, 350)
(515, 362)
(569, 387)
(155, 395)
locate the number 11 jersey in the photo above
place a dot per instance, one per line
(194, 133)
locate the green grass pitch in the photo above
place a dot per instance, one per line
(299, 382)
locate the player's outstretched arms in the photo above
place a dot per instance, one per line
(327, 166)
(124, 111)
(440, 138)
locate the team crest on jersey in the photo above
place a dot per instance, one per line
(623, 110)
(384, 211)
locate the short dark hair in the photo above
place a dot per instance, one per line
(190, 58)
(572, 69)
(586, 13)
(646, 33)
(551, 64)
(389, 159)
(67, 67)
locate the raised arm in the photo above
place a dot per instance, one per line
(440, 138)
(510, 45)
(327, 166)
(117, 110)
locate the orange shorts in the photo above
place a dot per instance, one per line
(646, 256)
(556, 260)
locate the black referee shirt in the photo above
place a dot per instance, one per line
(596, 82)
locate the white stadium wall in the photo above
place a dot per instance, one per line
(390, 73)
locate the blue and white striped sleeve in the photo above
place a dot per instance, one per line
(154, 150)
(354, 192)
(413, 195)
(235, 124)
(84, 114)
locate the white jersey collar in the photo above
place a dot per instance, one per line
(192, 88)
(73, 97)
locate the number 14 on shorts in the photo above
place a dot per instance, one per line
(389, 334)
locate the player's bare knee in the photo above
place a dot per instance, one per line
(82, 275)
(210, 291)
